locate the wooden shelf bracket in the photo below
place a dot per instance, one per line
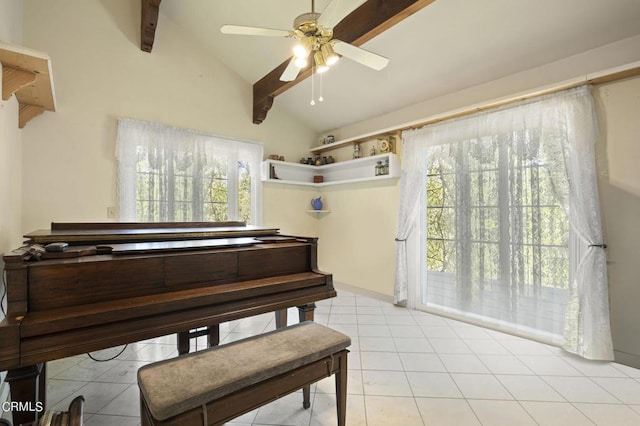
(14, 79)
(26, 112)
(27, 74)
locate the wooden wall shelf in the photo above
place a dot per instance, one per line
(27, 73)
(355, 140)
(351, 171)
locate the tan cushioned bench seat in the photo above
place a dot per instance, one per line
(176, 385)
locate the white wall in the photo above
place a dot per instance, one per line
(10, 138)
(100, 73)
(618, 154)
(10, 155)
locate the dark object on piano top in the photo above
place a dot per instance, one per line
(56, 247)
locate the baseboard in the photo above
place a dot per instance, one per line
(625, 358)
(363, 292)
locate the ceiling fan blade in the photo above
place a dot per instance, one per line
(336, 11)
(291, 72)
(369, 59)
(254, 31)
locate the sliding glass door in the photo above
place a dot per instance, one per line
(496, 240)
(504, 207)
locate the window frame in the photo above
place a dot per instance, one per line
(134, 135)
(417, 255)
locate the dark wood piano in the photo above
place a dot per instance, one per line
(118, 283)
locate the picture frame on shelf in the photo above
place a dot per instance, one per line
(386, 145)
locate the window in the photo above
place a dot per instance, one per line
(497, 239)
(506, 205)
(178, 175)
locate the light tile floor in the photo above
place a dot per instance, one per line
(405, 368)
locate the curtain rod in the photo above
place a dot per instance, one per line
(620, 73)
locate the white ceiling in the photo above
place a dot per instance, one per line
(445, 47)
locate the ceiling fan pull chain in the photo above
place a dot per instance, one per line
(313, 102)
(320, 99)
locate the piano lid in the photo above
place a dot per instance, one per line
(173, 246)
(113, 232)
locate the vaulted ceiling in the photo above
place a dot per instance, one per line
(444, 47)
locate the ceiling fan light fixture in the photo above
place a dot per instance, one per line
(330, 57)
(300, 51)
(313, 35)
(321, 65)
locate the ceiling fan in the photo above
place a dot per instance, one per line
(314, 34)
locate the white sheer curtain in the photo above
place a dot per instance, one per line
(184, 165)
(412, 180)
(530, 158)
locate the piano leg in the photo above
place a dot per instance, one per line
(183, 342)
(213, 338)
(281, 318)
(305, 312)
(28, 387)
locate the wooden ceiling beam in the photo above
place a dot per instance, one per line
(363, 24)
(150, 10)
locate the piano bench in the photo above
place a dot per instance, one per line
(215, 385)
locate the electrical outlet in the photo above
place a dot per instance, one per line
(111, 212)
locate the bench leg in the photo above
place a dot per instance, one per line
(341, 390)
(281, 322)
(144, 415)
(306, 396)
(305, 313)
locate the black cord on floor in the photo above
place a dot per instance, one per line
(4, 291)
(109, 359)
